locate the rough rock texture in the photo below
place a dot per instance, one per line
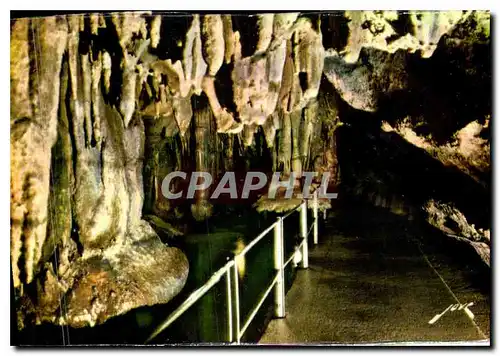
(76, 178)
(414, 31)
(468, 150)
(34, 131)
(425, 76)
(104, 107)
(451, 221)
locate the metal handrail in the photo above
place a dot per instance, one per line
(257, 239)
(291, 211)
(193, 298)
(257, 306)
(278, 282)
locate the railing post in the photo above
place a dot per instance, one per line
(236, 302)
(279, 289)
(315, 216)
(229, 301)
(303, 234)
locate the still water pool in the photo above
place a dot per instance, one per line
(207, 249)
(207, 320)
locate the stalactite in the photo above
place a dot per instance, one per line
(213, 42)
(19, 70)
(250, 88)
(41, 42)
(296, 159)
(20, 109)
(286, 84)
(306, 132)
(227, 25)
(295, 98)
(95, 93)
(183, 112)
(86, 77)
(202, 209)
(129, 25)
(155, 31)
(106, 69)
(310, 58)
(276, 62)
(285, 140)
(353, 83)
(87, 185)
(375, 28)
(265, 24)
(96, 21)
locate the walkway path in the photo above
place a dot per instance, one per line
(373, 288)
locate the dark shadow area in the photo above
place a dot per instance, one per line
(381, 163)
(334, 30)
(445, 92)
(247, 26)
(401, 237)
(172, 35)
(224, 88)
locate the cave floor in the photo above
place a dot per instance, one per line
(377, 288)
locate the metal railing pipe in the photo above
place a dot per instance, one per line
(237, 303)
(315, 216)
(232, 282)
(259, 304)
(229, 302)
(279, 289)
(193, 298)
(303, 234)
(257, 239)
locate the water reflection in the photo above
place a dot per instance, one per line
(240, 259)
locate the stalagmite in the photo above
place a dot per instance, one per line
(229, 39)
(192, 62)
(89, 141)
(248, 134)
(270, 126)
(283, 24)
